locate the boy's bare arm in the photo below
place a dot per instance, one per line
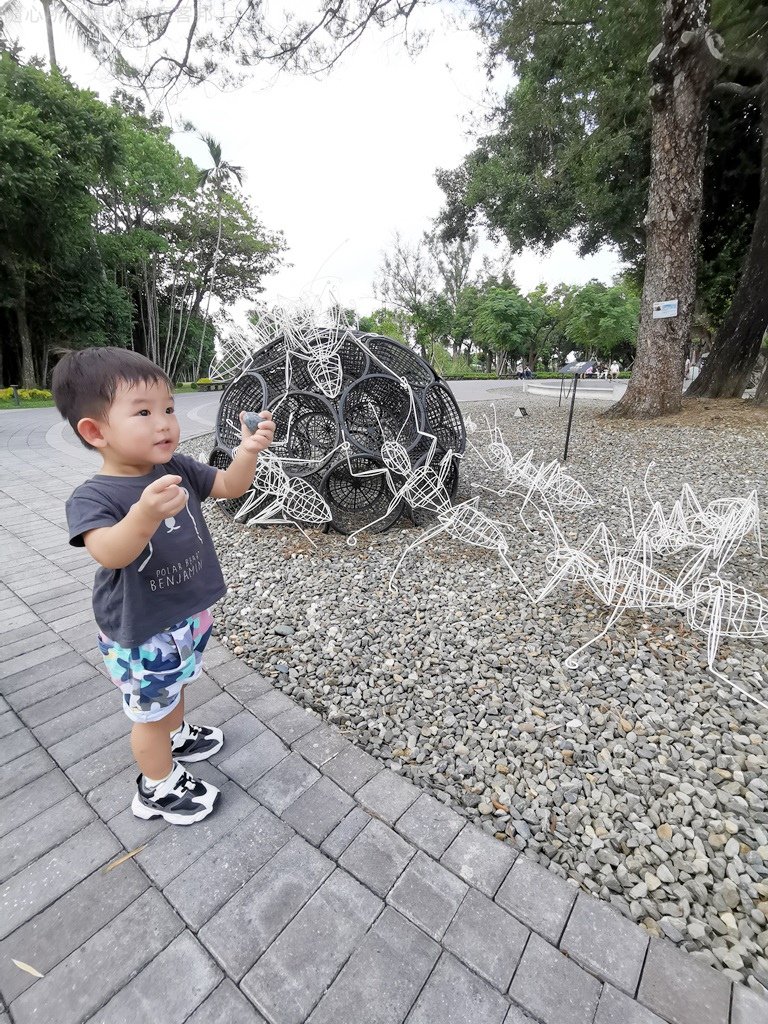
(116, 546)
(235, 480)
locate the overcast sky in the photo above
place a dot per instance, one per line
(341, 163)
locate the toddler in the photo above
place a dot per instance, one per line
(140, 518)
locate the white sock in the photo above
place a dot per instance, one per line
(154, 783)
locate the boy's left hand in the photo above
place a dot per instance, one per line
(262, 437)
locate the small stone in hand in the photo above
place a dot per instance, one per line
(252, 420)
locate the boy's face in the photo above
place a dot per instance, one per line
(140, 430)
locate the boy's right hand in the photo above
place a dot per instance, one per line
(162, 498)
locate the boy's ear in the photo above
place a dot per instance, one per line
(90, 431)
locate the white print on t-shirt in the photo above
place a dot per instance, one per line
(171, 525)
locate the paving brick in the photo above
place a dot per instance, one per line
(297, 968)
(245, 926)
(206, 885)
(282, 785)
(13, 746)
(9, 722)
(241, 729)
(95, 769)
(681, 989)
(479, 859)
(28, 632)
(517, 1016)
(351, 768)
(217, 654)
(36, 837)
(254, 759)
(377, 857)
(537, 897)
(747, 1007)
(384, 975)
(72, 721)
(66, 700)
(344, 833)
(453, 995)
(270, 705)
(153, 996)
(552, 988)
(487, 939)
(55, 665)
(29, 801)
(291, 725)
(228, 671)
(172, 851)
(320, 745)
(248, 688)
(25, 769)
(617, 1008)
(89, 976)
(80, 745)
(219, 710)
(54, 684)
(605, 943)
(38, 885)
(226, 1005)
(318, 810)
(387, 796)
(52, 935)
(24, 664)
(430, 825)
(11, 648)
(427, 894)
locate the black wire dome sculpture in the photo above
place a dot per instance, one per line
(356, 415)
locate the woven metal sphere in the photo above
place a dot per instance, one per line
(338, 396)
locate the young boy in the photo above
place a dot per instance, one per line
(140, 519)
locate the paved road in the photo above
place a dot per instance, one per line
(325, 888)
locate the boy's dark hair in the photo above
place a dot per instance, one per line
(85, 382)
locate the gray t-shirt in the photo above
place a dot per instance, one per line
(175, 576)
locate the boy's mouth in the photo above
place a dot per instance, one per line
(164, 444)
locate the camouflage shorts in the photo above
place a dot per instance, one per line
(151, 676)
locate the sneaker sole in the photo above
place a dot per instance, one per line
(147, 813)
(188, 758)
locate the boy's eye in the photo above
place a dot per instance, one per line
(143, 412)
(170, 410)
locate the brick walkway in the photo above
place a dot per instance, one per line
(325, 888)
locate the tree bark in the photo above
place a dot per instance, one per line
(737, 343)
(27, 361)
(761, 395)
(49, 33)
(682, 68)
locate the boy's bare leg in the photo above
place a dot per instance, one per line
(151, 743)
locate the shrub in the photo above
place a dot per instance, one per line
(25, 394)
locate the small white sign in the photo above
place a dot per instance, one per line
(662, 310)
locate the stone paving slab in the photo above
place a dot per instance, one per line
(324, 888)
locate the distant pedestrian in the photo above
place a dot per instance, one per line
(140, 518)
(614, 371)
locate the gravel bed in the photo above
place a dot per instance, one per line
(638, 775)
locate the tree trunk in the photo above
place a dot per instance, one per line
(761, 395)
(737, 343)
(27, 362)
(49, 32)
(682, 67)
